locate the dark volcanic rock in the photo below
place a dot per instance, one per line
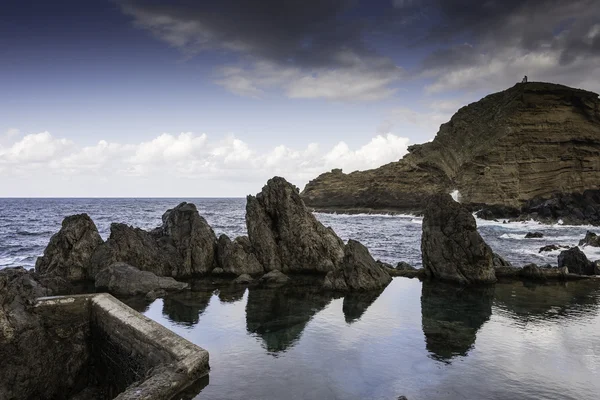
(534, 235)
(286, 236)
(498, 261)
(590, 239)
(404, 266)
(243, 279)
(236, 257)
(451, 246)
(552, 247)
(274, 278)
(576, 261)
(183, 246)
(359, 271)
(69, 252)
(42, 357)
(124, 280)
(193, 238)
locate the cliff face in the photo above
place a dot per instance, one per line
(532, 140)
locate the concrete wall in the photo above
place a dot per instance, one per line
(133, 357)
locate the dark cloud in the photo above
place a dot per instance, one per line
(309, 33)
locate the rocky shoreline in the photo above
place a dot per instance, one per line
(531, 151)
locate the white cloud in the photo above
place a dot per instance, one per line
(42, 160)
(364, 82)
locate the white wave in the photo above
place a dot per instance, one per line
(417, 221)
(455, 195)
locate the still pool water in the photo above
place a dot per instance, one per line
(420, 340)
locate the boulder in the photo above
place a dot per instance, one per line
(122, 279)
(183, 246)
(69, 251)
(274, 277)
(286, 236)
(359, 271)
(236, 257)
(452, 248)
(576, 261)
(590, 239)
(243, 279)
(534, 235)
(404, 266)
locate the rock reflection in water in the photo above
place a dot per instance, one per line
(451, 316)
(356, 303)
(280, 315)
(525, 302)
(185, 308)
(231, 293)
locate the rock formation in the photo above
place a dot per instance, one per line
(122, 279)
(534, 235)
(69, 252)
(528, 142)
(184, 246)
(452, 248)
(359, 271)
(236, 257)
(576, 261)
(590, 239)
(285, 236)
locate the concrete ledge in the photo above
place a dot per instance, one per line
(138, 357)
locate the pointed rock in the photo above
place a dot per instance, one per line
(69, 252)
(236, 257)
(286, 236)
(452, 248)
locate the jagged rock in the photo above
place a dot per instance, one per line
(274, 277)
(122, 279)
(359, 271)
(192, 237)
(69, 252)
(138, 248)
(243, 279)
(236, 257)
(576, 261)
(552, 247)
(183, 246)
(384, 264)
(452, 248)
(529, 141)
(218, 271)
(534, 235)
(596, 267)
(590, 239)
(285, 236)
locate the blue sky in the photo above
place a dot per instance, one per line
(140, 98)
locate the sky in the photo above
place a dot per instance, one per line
(146, 98)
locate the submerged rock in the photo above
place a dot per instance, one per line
(183, 246)
(286, 236)
(359, 271)
(122, 279)
(236, 257)
(69, 252)
(576, 261)
(534, 235)
(243, 279)
(274, 277)
(452, 248)
(590, 239)
(552, 247)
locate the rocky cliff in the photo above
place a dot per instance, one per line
(531, 141)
